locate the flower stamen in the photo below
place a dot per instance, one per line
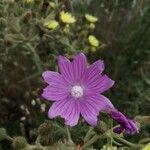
(77, 91)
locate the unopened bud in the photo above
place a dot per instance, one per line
(45, 132)
(19, 142)
(45, 128)
(101, 127)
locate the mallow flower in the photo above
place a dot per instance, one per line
(77, 90)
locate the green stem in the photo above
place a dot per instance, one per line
(69, 135)
(92, 140)
(9, 138)
(35, 57)
(89, 134)
(31, 48)
(126, 142)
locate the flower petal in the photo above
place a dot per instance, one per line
(91, 106)
(118, 130)
(133, 127)
(72, 114)
(126, 124)
(55, 93)
(58, 87)
(68, 109)
(89, 114)
(94, 70)
(72, 71)
(65, 67)
(78, 66)
(99, 84)
(53, 78)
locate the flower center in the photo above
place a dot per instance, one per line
(77, 91)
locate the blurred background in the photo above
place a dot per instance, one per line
(29, 44)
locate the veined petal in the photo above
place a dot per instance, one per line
(91, 106)
(55, 93)
(72, 71)
(99, 84)
(72, 114)
(126, 125)
(89, 114)
(78, 66)
(65, 68)
(67, 109)
(93, 72)
(53, 78)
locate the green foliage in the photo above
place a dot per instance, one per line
(28, 47)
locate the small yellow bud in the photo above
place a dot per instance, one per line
(93, 40)
(53, 24)
(66, 17)
(91, 18)
(92, 25)
(52, 4)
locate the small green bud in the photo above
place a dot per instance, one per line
(3, 22)
(45, 128)
(3, 134)
(8, 40)
(19, 142)
(101, 127)
(45, 133)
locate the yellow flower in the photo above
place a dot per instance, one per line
(147, 147)
(52, 4)
(92, 25)
(53, 24)
(91, 18)
(66, 17)
(29, 1)
(93, 40)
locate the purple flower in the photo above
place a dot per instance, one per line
(126, 125)
(76, 90)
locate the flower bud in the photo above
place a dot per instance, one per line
(19, 142)
(92, 26)
(8, 40)
(101, 127)
(44, 132)
(45, 128)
